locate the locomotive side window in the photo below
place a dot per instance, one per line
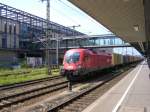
(72, 57)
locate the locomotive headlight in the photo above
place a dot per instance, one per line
(79, 66)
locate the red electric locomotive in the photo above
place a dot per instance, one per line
(79, 62)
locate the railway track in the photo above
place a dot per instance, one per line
(16, 85)
(81, 100)
(77, 101)
(20, 92)
(11, 91)
(8, 101)
(14, 99)
(18, 73)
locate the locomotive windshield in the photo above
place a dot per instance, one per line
(72, 57)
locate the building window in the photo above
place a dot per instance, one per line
(4, 43)
(104, 41)
(5, 27)
(10, 29)
(14, 29)
(14, 41)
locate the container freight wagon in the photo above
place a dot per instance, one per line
(117, 59)
(80, 62)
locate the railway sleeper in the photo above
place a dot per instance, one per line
(27, 97)
(80, 103)
(77, 104)
(79, 107)
(95, 95)
(85, 100)
(91, 96)
(3, 102)
(88, 98)
(67, 111)
(71, 109)
(26, 91)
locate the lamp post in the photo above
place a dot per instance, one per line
(47, 36)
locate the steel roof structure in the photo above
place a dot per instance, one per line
(11, 13)
(128, 19)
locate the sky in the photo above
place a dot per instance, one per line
(64, 13)
(61, 12)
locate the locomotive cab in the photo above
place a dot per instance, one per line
(72, 63)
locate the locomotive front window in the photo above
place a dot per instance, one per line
(72, 57)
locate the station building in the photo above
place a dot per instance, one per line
(21, 31)
(18, 31)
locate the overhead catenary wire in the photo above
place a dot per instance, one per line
(70, 18)
(75, 9)
(75, 22)
(65, 15)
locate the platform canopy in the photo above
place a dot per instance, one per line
(125, 18)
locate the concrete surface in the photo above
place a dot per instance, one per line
(131, 94)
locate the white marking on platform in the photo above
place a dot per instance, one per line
(127, 90)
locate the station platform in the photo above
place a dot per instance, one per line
(131, 94)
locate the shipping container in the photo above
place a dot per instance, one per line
(125, 59)
(117, 59)
(114, 59)
(121, 59)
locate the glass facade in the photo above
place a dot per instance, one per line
(100, 41)
(22, 28)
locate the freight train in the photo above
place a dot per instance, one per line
(80, 62)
